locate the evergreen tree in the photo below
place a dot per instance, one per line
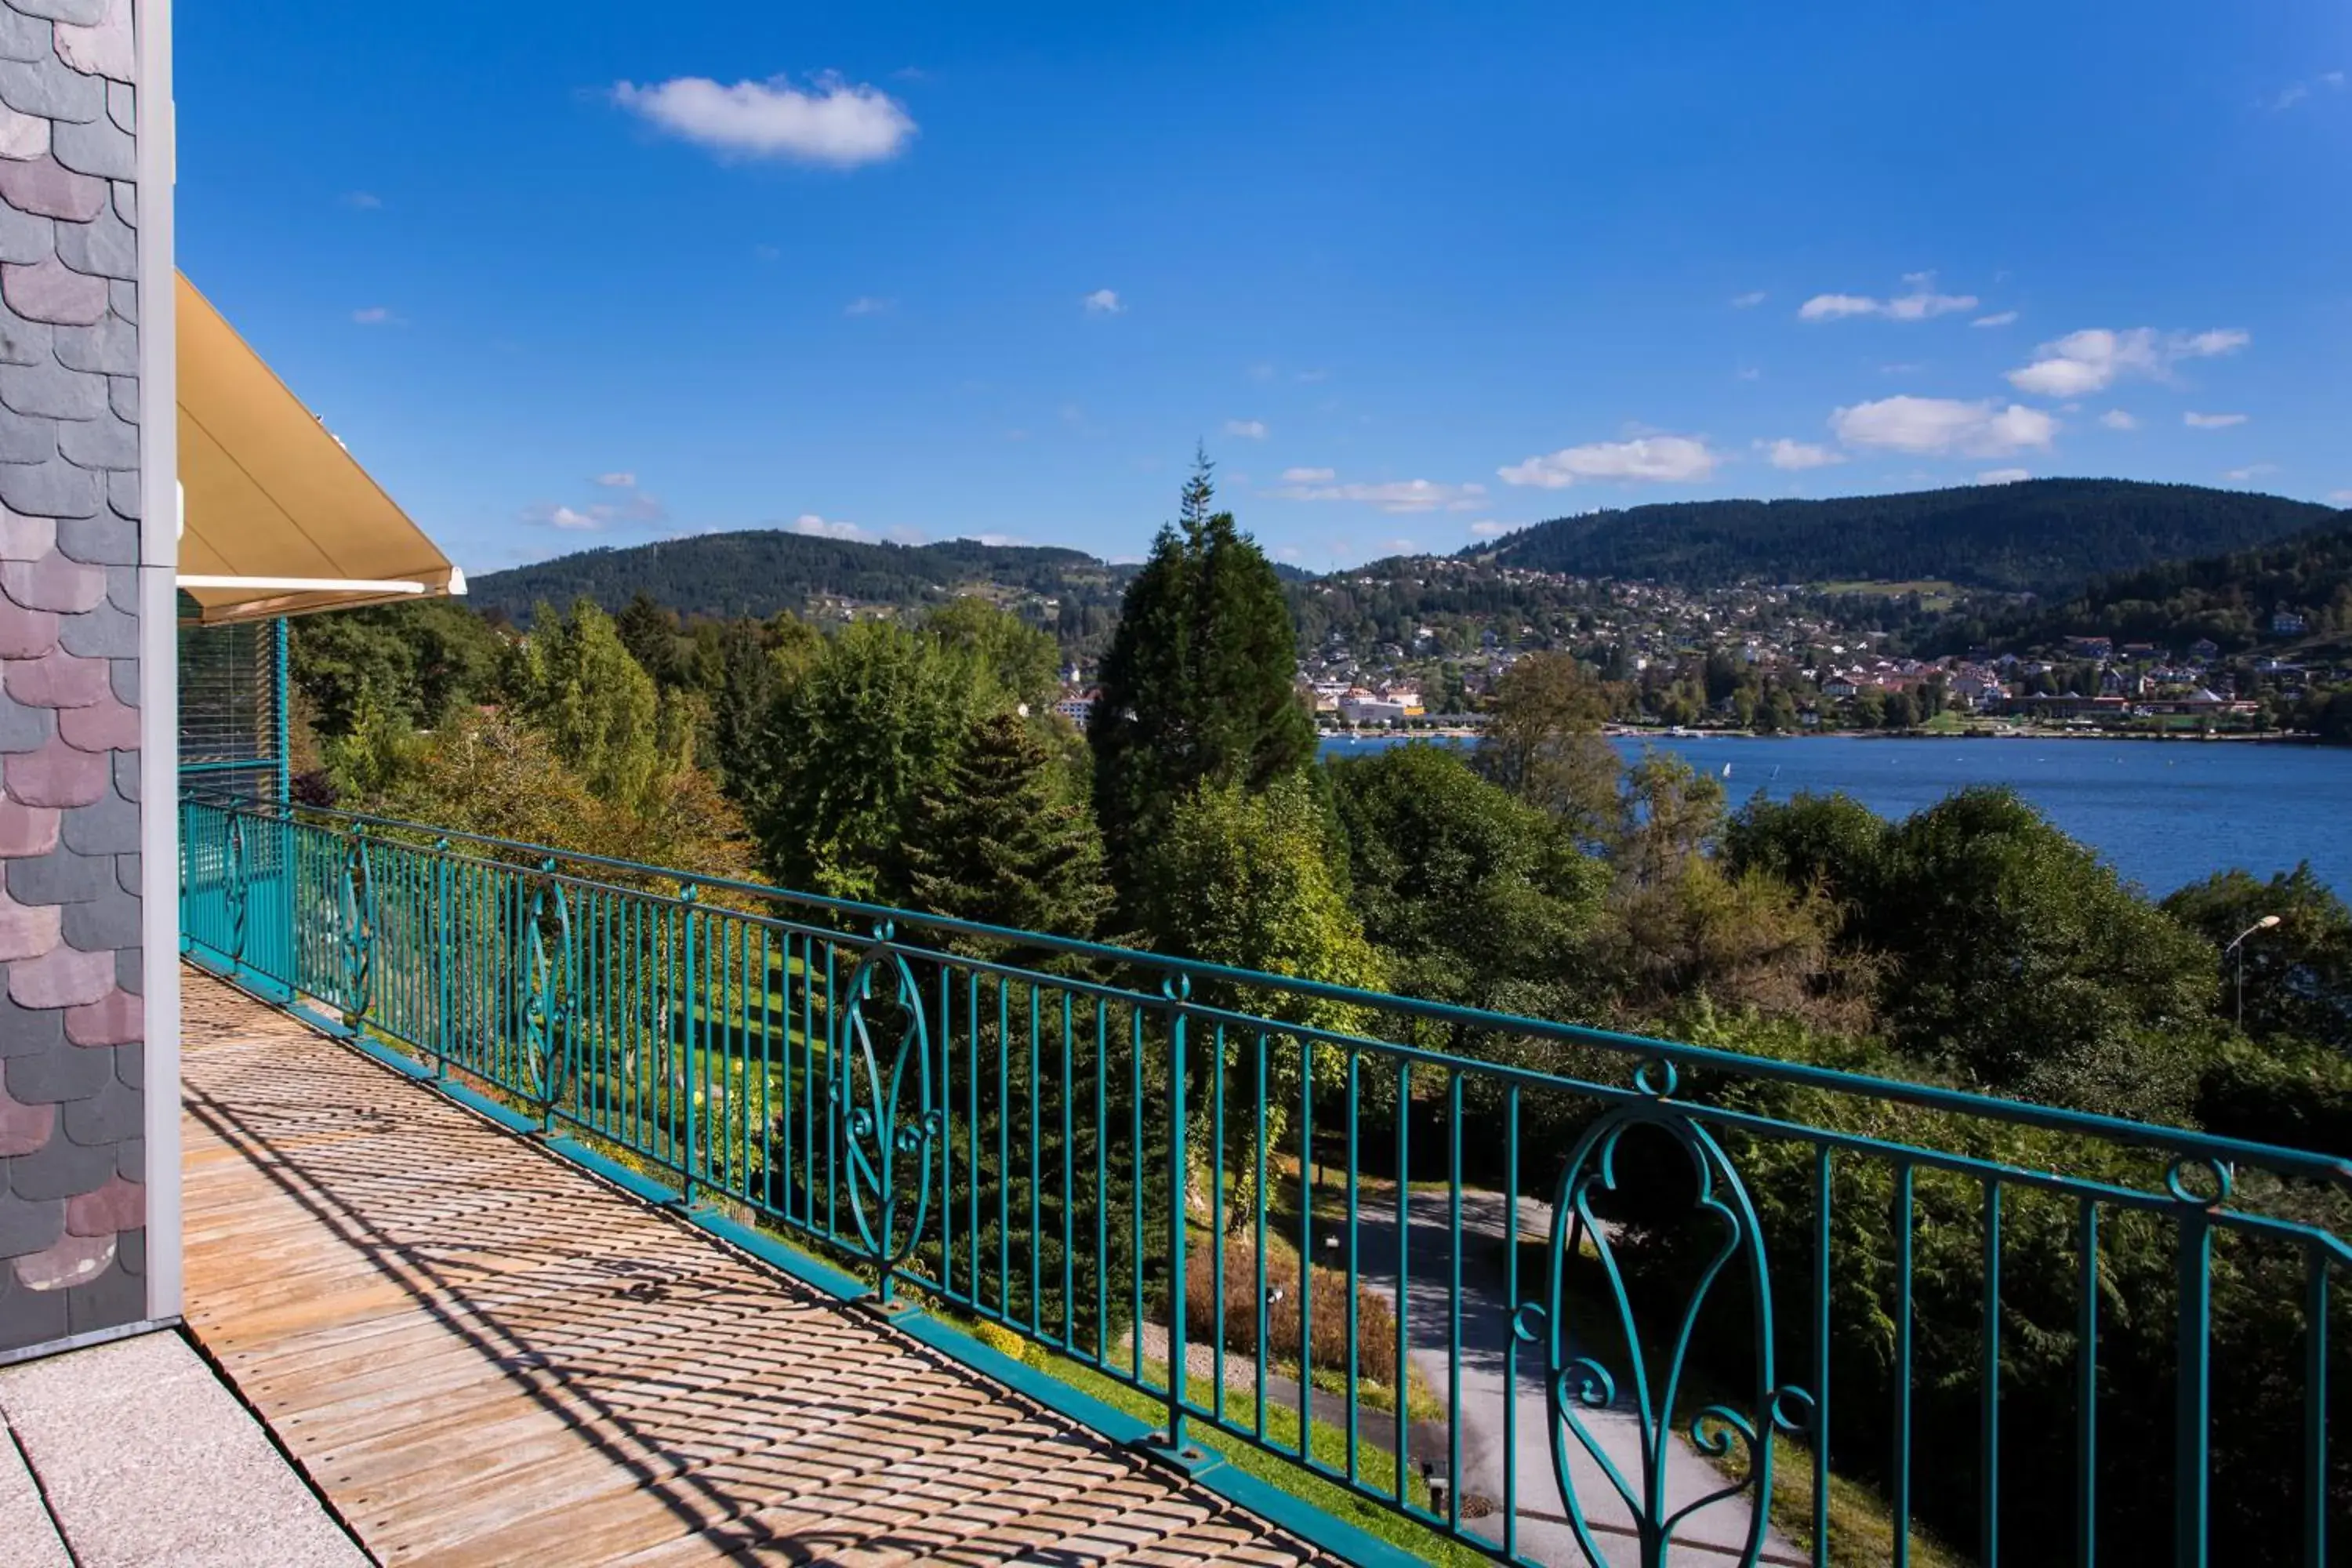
(745, 682)
(1198, 685)
(998, 839)
(650, 633)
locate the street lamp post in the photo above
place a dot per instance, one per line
(2238, 946)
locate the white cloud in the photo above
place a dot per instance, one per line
(1794, 454)
(365, 201)
(1103, 302)
(1831, 307)
(2250, 472)
(1261, 373)
(2196, 421)
(618, 480)
(2002, 476)
(1247, 429)
(1747, 302)
(2096, 357)
(1487, 528)
(2341, 497)
(1666, 459)
(2118, 419)
(1998, 319)
(868, 305)
(1919, 305)
(547, 514)
(1309, 476)
(1395, 495)
(999, 540)
(372, 316)
(832, 122)
(1941, 425)
(1397, 547)
(817, 527)
(2290, 95)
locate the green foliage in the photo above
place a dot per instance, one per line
(2298, 973)
(1543, 743)
(1242, 878)
(1197, 686)
(741, 669)
(1461, 882)
(1023, 659)
(416, 662)
(2007, 954)
(2228, 597)
(600, 710)
(2025, 964)
(2257, 1332)
(1831, 842)
(842, 754)
(486, 771)
(649, 632)
(999, 839)
(760, 573)
(2040, 536)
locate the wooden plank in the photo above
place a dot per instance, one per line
(480, 1354)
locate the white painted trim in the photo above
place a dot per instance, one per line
(304, 585)
(159, 652)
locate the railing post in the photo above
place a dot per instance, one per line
(692, 988)
(1178, 990)
(443, 946)
(2193, 1416)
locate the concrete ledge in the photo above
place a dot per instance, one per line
(138, 1455)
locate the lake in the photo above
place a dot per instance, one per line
(2163, 813)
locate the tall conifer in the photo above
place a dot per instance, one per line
(998, 839)
(1199, 684)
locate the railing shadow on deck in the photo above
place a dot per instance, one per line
(2008, 1320)
(728, 1394)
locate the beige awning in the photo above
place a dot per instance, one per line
(278, 519)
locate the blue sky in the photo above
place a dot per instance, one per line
(564, 275)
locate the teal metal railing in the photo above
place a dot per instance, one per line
(1555, 1293)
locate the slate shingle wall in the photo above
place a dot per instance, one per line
(72, 1208)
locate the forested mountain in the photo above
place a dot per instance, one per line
(2045, 536)
(2039, 536)
(2231, 599)
(758, 572)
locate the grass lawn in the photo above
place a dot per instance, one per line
(1375, 1465)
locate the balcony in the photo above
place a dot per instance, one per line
(556, 1209)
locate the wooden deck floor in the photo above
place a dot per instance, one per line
(481, 1355)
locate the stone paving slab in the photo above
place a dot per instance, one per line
(142, 1456)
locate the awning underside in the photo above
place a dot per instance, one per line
(268, 495)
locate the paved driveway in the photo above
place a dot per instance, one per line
(1491, 1406)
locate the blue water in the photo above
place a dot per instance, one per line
(2163, 812)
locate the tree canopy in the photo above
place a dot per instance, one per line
(1198, 686)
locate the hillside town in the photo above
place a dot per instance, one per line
(1762, 658)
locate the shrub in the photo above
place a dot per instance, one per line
(1375, 1328)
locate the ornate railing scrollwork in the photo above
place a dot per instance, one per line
(1580, 1386)
(547, 1005)
(355, 926)
(891, 1125)
(235, 890)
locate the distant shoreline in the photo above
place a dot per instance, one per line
(1648, 733)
